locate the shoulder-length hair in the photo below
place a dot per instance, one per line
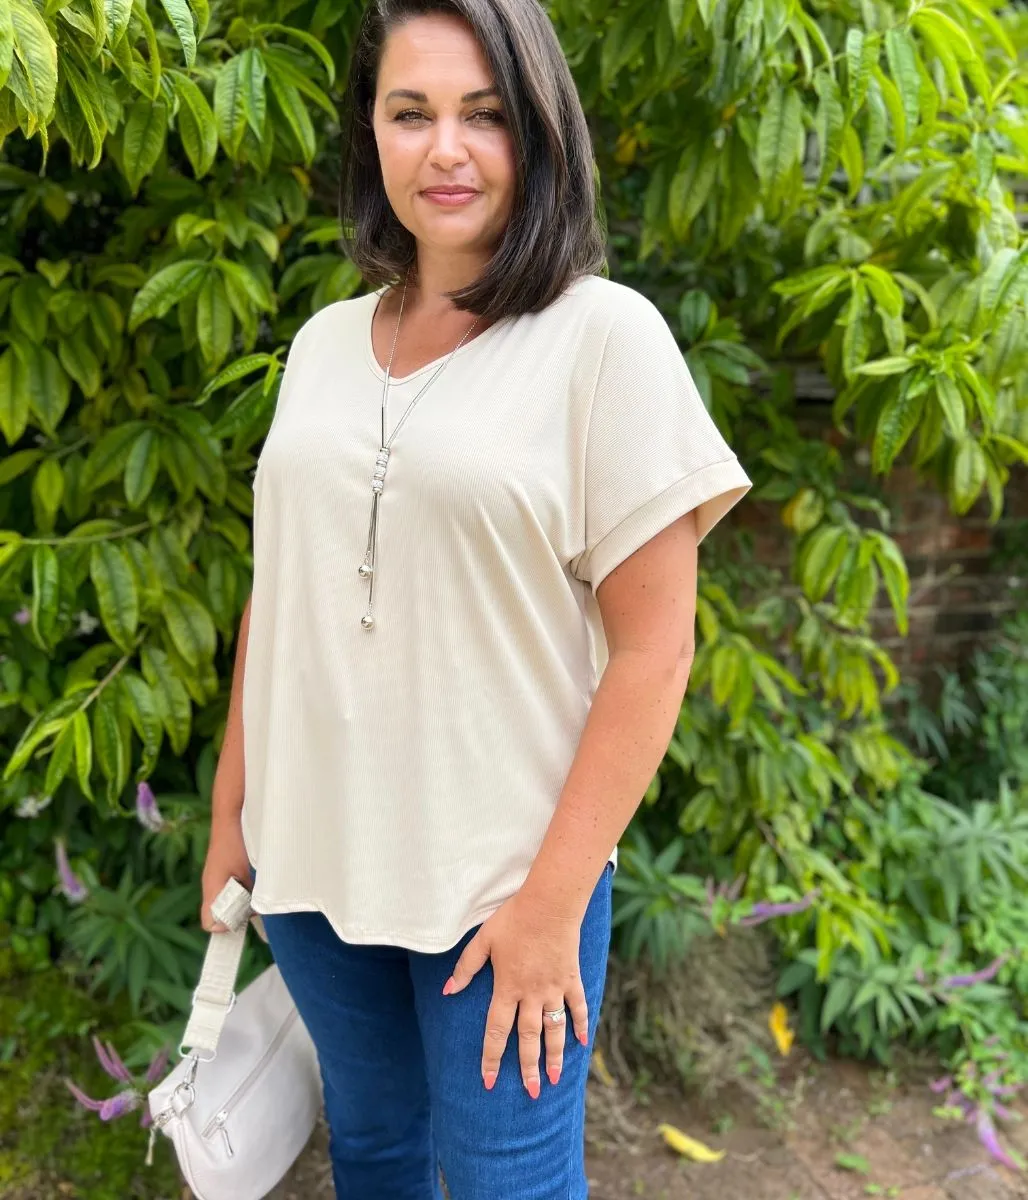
(554, 234)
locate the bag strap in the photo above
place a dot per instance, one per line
(215, 995)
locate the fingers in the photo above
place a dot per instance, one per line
(530, 1026)
(554, 1032)
(499, 1021)
(472, 959)
(579, 1009)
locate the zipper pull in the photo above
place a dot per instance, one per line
(150, 1145)
(219, 1122)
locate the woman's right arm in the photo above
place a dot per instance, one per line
(226, 854)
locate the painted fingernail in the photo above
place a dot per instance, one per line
(553, 1074)
(489, 1078)
(533, 1088)
(448, 986)
(584, 1039)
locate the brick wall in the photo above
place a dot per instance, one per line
(957, 596)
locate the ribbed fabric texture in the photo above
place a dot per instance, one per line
(401, 780)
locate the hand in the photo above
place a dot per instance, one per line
(226, 859)
(535, 967)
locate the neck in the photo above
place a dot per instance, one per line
(438, 274)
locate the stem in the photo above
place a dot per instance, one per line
(92, 537)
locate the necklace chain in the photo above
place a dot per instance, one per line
(367, 569)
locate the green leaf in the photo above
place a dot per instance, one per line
(196, 125)
(40, 376)
(60, 759)
(859, 51)
(691, 185)
(252, 74)
(213, 319)
(182, 21)
(895, 365)
(820, 560)
(170, 695)
(80, 361)
(143, 139)
(141, 468)
(951, 401)
(116, 591)
(166, 289)
(779, 137)
(109, 742)
(230, 105)
(46, 581)
(893, 567)
(238, 370)
(83, 752)
(108, 456)
(119, 13)
(968, 475)
(851, 155)
(904, 68)
(142, 708)
(190, 625)
(47, 493)
(831, 121)
(291, 104)
(36, 53)
(308, 40)
(18, 463)
(897, 421)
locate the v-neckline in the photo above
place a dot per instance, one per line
(399, 380)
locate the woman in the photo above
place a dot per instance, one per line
(435, 777)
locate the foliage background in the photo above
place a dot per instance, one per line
(790, 182)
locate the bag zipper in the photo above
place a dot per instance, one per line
(217, 1123)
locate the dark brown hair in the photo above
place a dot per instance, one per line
(553, 235)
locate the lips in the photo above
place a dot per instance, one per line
(450, 191)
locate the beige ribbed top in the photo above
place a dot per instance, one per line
(401, 780)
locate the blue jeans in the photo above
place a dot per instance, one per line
(401, 1068)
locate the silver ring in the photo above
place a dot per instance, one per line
(556, 1015)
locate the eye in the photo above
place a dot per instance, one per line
(492, 115)
(408, 112)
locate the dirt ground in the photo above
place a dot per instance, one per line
(836, 1132)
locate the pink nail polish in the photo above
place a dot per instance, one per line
(533, 1088)
(584, 1039)
(489, 1078)
(553, 1074)
(448, 986)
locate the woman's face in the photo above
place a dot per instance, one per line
(440, 125)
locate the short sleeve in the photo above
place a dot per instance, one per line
(653, 452)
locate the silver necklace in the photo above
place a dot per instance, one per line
(367, 569)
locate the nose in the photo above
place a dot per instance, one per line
(448, 149)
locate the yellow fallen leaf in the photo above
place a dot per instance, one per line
(778, 1023)
(600, 1066)
(688, 1146)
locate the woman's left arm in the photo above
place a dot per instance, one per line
(648, 608)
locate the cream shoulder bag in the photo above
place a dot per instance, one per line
(242, 1101)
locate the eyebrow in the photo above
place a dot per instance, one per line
(467, 98)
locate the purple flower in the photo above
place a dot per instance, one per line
(82, 1098)
(941, 1085)
(987, 1137)
(982, 976)
(72, 887)
(110, 1061)
(117, 1106)
(22, 616)
(157, 1064)
(147, 812)
(767, 912)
